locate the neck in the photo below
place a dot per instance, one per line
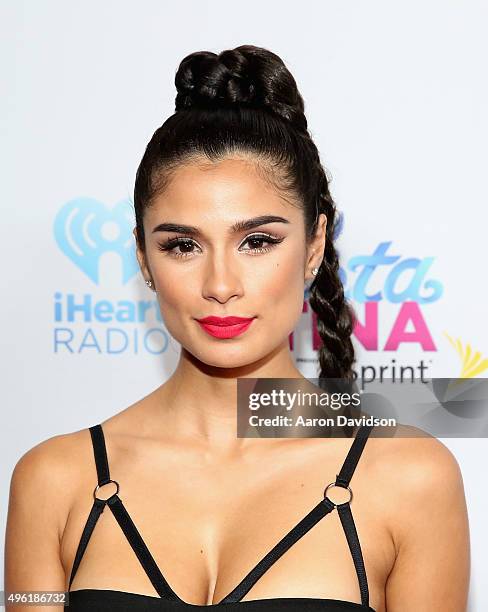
(199, 401)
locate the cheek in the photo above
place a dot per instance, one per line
(176, 296)
(280, 293)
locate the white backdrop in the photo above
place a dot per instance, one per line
(396, 100)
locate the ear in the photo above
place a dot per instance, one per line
(141, 258)
(315, 250)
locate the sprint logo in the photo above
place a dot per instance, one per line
(472, 363)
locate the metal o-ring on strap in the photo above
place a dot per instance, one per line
(102, 485)
(333, 484)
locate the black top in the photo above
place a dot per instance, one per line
(103, 600)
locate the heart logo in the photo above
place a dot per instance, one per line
(85, 229)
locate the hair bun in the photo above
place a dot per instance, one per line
(245, 76)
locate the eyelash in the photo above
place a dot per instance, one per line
(170, 244)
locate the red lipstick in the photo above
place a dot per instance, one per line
(225, 327)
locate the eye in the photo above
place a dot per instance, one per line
(181, 243)
(186, 245)
(259, 239)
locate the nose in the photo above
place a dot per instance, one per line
(222, 278)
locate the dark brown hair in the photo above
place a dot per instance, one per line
(246, 101)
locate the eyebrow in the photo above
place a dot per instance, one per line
(239, 226)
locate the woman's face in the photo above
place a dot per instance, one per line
(211, 269)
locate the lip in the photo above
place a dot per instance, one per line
(224, 321)
(225, 327)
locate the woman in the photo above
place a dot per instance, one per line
(233, 218)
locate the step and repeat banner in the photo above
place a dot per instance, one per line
(397, 107)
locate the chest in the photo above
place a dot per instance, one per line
(208, 524)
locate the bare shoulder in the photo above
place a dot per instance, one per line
(42, 490)
(416, 462)
(66, 458)
(421, 497)
(417, 458)
(54, 456)
(49, 473)
(419, 476)
(65, 462)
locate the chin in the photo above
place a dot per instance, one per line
(227, 361)
(226, 357)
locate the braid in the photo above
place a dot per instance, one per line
(335, 317)
(246, 76)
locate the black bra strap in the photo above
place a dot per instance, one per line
(352, 458)
(100, 452)
(139, 547)
(118, 510)
(324, 507)
(103, 476)
(349, 527)
(312, 518)
(344, 510)
(96, 510)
